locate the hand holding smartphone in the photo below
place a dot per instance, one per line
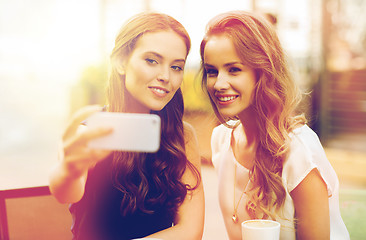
(131, 131)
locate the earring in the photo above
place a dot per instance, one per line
(121, 70)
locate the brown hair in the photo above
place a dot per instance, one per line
(138, 174)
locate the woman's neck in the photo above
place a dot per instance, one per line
(134, 106)
(137, 109)
(248, 119)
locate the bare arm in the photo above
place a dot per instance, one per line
(190, 220)
(312, 208)
(67, 180)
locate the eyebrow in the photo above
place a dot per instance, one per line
(233, 63)
(161, 57)
(225, 65)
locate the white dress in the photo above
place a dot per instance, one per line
(306, 153)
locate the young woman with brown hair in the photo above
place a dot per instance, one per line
(127, 195)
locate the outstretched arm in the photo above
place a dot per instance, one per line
(67, 180)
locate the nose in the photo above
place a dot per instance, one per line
(222, 82)
(164, 74)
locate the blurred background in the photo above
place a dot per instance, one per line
(54, 60)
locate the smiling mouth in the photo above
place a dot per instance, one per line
(159, 91)
(226, 98)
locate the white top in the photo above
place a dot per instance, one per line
(306, 153)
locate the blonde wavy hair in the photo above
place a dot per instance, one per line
(276, 98)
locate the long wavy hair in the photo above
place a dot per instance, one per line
(276, 98)
(150, 180)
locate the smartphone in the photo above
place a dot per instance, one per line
(131, 131)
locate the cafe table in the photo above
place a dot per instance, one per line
(20, 179)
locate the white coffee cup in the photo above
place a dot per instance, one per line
(259, 229)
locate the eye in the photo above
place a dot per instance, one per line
(234, 70)
(211, 72)
(151, 61)
(177, 68)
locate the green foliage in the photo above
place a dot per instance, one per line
(94, 81)
(90, 89)
(353, 210)
(194, 97)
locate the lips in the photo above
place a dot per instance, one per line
(226, 99)
(159, 91)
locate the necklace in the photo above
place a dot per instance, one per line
(235, 216)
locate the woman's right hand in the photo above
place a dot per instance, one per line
(77, 156)
(68, 178)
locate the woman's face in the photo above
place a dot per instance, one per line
(230, 82)
(154, 70)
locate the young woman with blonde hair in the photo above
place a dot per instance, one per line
(128, 195)
(270, 164)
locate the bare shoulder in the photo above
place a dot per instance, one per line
(189, 132)
(191, 142)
